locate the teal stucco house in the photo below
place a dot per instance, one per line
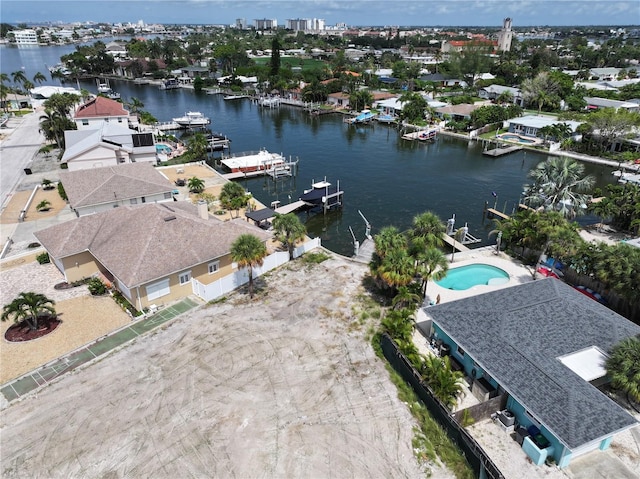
(541, 347)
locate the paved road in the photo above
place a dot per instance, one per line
(17, 151)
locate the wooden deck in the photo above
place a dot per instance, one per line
(296, 205)
(365, 252)
(501, 151)
(453, 243)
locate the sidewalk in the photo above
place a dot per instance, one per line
(30, 382)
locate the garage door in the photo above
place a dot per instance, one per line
(155, 290)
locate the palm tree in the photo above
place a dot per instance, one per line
(445, 383)
(195, 184)
(28, 307)
(429, 227)
(398, 324)
(406, 297)
(135, 105)
(39, 78)
(18, 78)
(289, 229)
(432, 264)
(388, 239)
(248, 251)
(623, 367)
(53, 126)
(197, 146)
(44, 205)
(559, 185)
(396, 268)
(604, 208)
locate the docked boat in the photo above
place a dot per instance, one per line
(192, 119)
(254, 161)
(170, 84)
(269, 102)
(365, 116)
(386, 118)
(322, 193)
(104, 89)
(234, 97)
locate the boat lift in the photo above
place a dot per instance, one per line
(367, 232)
(465, 237)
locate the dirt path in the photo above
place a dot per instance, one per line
(286, 385)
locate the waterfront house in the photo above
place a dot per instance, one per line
(107, 144)
(338, 100)
(98, 110)
(530, 125)
(540, 347)
(94, 190)
(152, 253)
(456, 112)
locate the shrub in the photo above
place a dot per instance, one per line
(33, 245)
(43, 258)
(47, 184)
(61, 192)
(97, 287)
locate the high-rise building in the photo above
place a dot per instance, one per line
(298, 24)
(266, 24)
(25, 37)
(505, 36)
(241, 23)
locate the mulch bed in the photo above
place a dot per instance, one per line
(22, 331)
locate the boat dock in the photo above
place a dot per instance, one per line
(501, 151)
(421, 135)
(291, 207)
(287, 169)
(453, 243)
(492, 212)
(365, 251)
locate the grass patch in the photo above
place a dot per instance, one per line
(431, 444)
(315, 258)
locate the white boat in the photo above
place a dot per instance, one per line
(192, 119)
(254, 161)
(234, 97)
(105, 90)
(271, 102)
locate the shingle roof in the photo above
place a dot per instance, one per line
(516, 334)
(142, 243)
(101, 107)
(104, 185)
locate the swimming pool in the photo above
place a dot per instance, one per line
(466, 277)
(518, 139)
(160, 148)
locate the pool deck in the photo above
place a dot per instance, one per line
(518, 274)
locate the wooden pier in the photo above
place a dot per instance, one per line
(492, 212)
(277, 171)
(501, 151)
(365, 251)
(291, 207)
(453, 243)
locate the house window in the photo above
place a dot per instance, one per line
(85, 122)
(460, 351)
(144, 200)
(185, 277)
(133, 201)
(214, 267)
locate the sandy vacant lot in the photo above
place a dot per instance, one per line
(286, 385)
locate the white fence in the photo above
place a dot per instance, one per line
(225, 285)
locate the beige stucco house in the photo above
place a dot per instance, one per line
(152, 253)
(102, 189)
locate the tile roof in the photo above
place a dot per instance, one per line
(104, 185)
(101, 107)
(517, 334)
(143, 243)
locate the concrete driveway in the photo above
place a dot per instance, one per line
(600, 464)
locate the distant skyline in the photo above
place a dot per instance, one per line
(351, 12)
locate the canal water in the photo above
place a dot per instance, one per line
(387, 179)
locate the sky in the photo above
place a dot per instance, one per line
(351, 12)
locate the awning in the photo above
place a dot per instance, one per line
(260, 215)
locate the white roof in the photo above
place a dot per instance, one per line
(588, 363)
(47, 90)
(536, 121)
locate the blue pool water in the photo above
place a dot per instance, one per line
(163, 148)
(466, 277)
(517, 138)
